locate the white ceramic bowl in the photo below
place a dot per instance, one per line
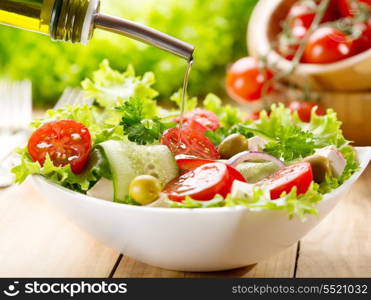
(206, 239)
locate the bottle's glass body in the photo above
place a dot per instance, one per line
(65, 20)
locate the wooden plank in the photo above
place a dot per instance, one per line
(281, 265)
(341, 245)
(37, 241)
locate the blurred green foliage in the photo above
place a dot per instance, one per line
(217, 28)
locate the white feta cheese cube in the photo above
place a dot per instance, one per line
(160, 202)
(257, 143)
(241, 189)
(103, 189)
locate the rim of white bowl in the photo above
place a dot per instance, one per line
(363, 164)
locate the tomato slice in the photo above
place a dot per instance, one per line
(202, 183)
(234, 174)
(299, 175)
(189, 142)
(304, 109)
(66, 142)
(200, 119)
(188, 164)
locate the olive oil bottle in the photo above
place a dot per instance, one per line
(63, 20)
(75, 20)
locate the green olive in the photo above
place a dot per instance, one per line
(145, 189)
(233, 144)
(320, 167)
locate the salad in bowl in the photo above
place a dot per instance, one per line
(211, 191)
(126, 149)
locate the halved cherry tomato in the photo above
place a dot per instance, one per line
(200, 119)
(202, 183)
(246, 79)
(327, 45)
(187, 164)
(234, 175)
(190, 163)
(189, 142)
(66, 142)
(304, 109)
(299, 175)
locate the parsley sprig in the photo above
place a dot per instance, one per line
(140, 126)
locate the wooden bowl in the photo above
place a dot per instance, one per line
(352, 74)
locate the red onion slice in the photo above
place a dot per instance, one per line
(254, 155)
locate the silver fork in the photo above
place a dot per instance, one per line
(70, 96)
(15, 115)
(15, 112)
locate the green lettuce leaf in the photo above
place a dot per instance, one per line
(188, 202)
(109, 86)
(292, 203)
(228, 116)
(326, 129)
(191, 103)
(96, 168)
(99, 123)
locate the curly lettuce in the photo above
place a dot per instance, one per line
(97, 167)
(293, 204)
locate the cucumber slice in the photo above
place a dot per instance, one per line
(256, 171)
(128, 160)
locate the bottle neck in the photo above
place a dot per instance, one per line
(73, 20)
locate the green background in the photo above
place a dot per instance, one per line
(217, 28)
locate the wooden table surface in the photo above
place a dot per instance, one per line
(37, 241)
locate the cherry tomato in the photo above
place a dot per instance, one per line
(304, 109)
(245, 79)
(288, 43)
(299, 20)
(234, 175)
(363, 42)
(200, 119)
(303, 13)
(299, 175)
(189, 142)
(202, 183)
(253, 116)
(327, 45)
(188, 164)
(350, 8)
(66, 142)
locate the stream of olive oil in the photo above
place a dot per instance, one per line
(183, 103)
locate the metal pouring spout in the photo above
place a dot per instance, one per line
(144, 34)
